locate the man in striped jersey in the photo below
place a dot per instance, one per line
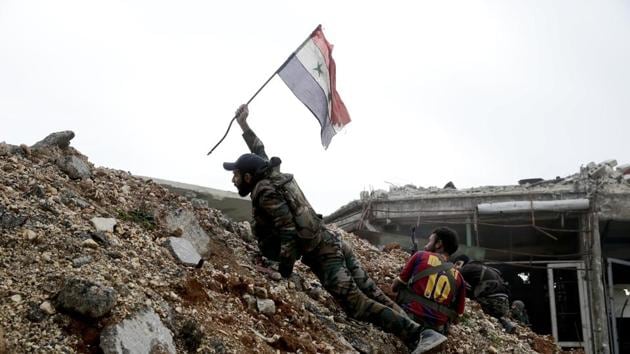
(287, 229)
(429, 287)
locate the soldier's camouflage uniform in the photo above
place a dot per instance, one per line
(330, 258)
(519, 313)
(495, 306)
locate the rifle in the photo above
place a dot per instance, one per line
(414, 249)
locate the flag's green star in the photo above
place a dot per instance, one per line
(319, 69)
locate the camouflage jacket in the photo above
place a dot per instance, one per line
(280, 235)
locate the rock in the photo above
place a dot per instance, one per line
(492, 350)
(315, 292)
(4, 149)
(266, 306)
(250, 301)
(144, 332)
(47, 307)
(86, 298)
(295, 282)
(30, 234)
(104, 224)
(57, 139)
(9, 219)
(81, 261)
(74, 167)
(610, 162)
(244, 229)
(71, 199)
(101, 238)
(34, 313)
(260, 292)
(89, 243)
(17, 298)
(183, 250)
(275, 276)
(191, 231)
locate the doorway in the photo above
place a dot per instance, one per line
(570, 319)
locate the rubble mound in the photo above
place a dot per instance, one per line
(95, 260)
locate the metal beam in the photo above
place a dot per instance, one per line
(526, 206)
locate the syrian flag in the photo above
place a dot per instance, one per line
(310, 74)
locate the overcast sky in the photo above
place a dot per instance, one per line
(474, 92)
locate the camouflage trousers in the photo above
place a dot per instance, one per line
(497, 307)
(341, 274)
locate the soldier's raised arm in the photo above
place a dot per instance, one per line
(253, 142)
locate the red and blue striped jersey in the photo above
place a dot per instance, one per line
(435, 287)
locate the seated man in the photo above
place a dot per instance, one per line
(518, 312)
(429, 288)
(485, 285)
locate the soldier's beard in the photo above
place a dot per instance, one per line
(244, 188)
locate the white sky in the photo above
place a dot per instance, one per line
(477, 92)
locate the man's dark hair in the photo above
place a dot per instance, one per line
(448, 237)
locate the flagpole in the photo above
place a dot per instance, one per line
(263, 86)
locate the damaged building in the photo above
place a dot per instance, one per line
(563, 244)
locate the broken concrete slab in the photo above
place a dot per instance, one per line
(609, 162)
(74, 167)
(186, 221)
(600, 171)
(104, 224)
(183, 250)
(144, 332)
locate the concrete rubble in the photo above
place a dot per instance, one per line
(68, 286)
(143, 332)
(606, 173)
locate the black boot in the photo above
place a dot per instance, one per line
(508, 326)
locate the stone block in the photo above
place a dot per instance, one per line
(190, 229)
(183, 250)
(104, 224)
(143, 332)
(74, 167)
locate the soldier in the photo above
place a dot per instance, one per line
(287, 229)
(486, 285)
(429, 287)
(519, 313)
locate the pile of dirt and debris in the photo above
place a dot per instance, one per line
(96, 260)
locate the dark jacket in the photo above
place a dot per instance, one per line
(492, 283)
